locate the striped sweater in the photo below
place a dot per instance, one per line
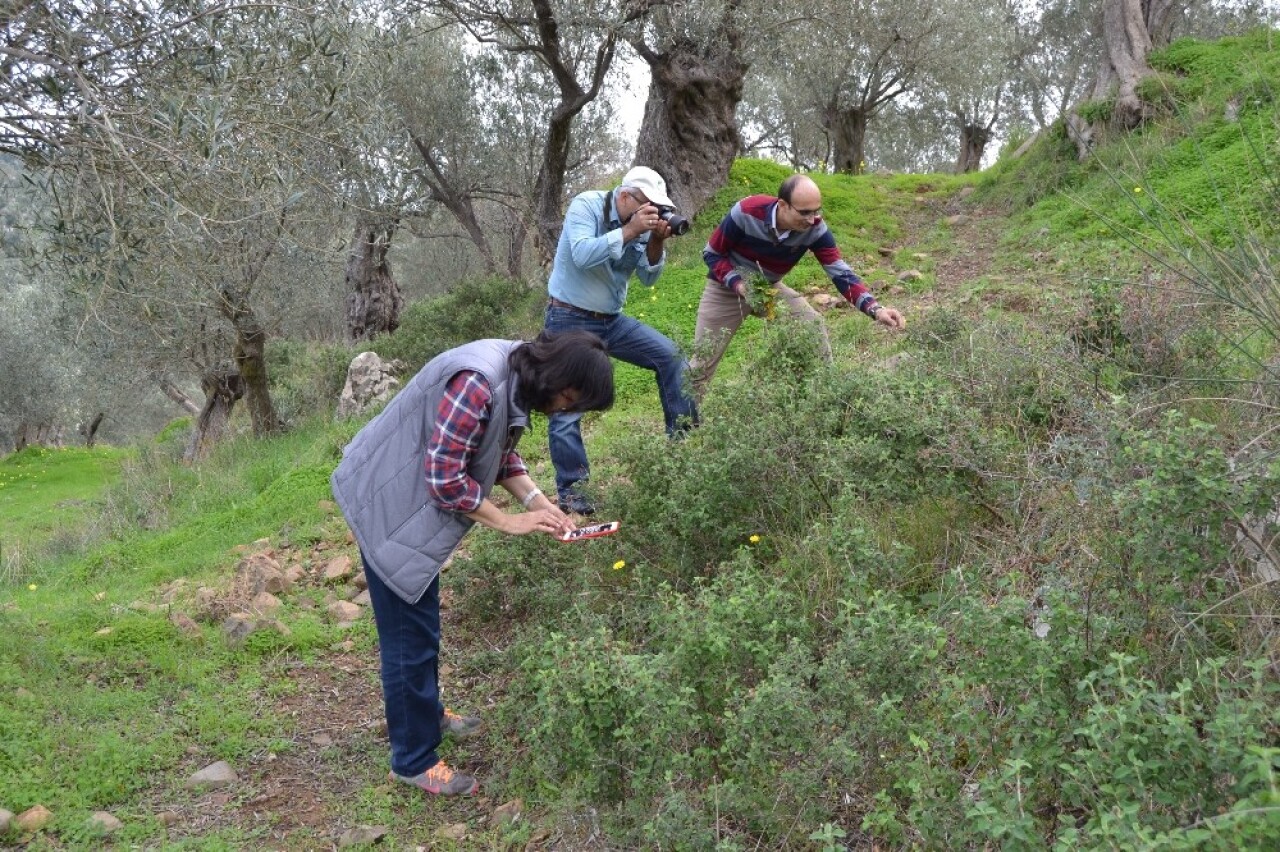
(747, 240)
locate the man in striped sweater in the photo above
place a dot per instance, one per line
(767, 237)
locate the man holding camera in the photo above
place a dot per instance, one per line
(760, 240)
(608, 236)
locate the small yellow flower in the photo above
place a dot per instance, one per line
(653, 298)
(754, 539)
(33, 587)
(619, 565)
(1138, 189)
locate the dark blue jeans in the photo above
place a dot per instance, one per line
(629, 340)
(409, 645)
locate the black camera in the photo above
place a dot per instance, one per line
(679, 224)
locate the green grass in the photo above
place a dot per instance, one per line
(1215, 171)
(45, 493)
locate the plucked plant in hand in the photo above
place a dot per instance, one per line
(762, 297)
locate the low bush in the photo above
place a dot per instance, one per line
(472, 310)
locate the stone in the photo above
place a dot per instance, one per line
(265, 603)
(33, 818)
(910, 275)
(185, 624)
(344, 612)
(455, 832)
(370, 380)
(337, 568)
(168, 818)
(6, 820)
(104, 822)
(238, 626)
(206, 597)
(361, 835)
(362, 599)
(507, 813)
(260, 572)
(214, 775)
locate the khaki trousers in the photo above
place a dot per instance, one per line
(720, 314)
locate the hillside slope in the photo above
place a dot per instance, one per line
(1001, 580)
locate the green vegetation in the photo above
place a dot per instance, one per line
(994, 582)
(43, 502)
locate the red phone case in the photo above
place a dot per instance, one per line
(593, 531)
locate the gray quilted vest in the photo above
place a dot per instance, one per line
(381, 481)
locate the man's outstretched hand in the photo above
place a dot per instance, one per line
(891, 317)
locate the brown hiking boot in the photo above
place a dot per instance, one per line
(460, 726)
(440, 780)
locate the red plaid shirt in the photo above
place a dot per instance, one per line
(461, 419)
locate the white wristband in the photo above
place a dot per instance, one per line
(530, 497)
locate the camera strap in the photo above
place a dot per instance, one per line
(608, 209)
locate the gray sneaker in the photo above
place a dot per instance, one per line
(460, 726)
(440, 780)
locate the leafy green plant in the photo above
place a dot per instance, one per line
(473, 309)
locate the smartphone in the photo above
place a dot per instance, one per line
(593, 531)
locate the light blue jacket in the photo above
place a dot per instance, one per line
(593, 264)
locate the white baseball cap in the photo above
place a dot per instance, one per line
(650, 183)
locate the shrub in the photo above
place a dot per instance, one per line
(753, 467)
(473, 310)
(306, 378)
(604, 716)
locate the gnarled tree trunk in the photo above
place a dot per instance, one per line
(222, 387)
(250, 354)
(690, 133)
(848, 129)
(1130, 29)
(89, 431)
(973, 143)
(38, 435)
(373, 297)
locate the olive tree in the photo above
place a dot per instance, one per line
(571, 45)
(846, 62)
(179, 205)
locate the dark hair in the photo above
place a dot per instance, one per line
(557, 361)
(788, 187)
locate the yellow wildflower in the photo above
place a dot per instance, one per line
(754, 539)
(619, 565)
(33, 587)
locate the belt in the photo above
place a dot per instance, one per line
(556, 303)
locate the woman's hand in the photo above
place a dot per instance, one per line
(549, 521)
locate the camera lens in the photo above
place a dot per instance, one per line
(679, 224)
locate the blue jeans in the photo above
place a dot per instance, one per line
(409, 647)
(628, 340)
